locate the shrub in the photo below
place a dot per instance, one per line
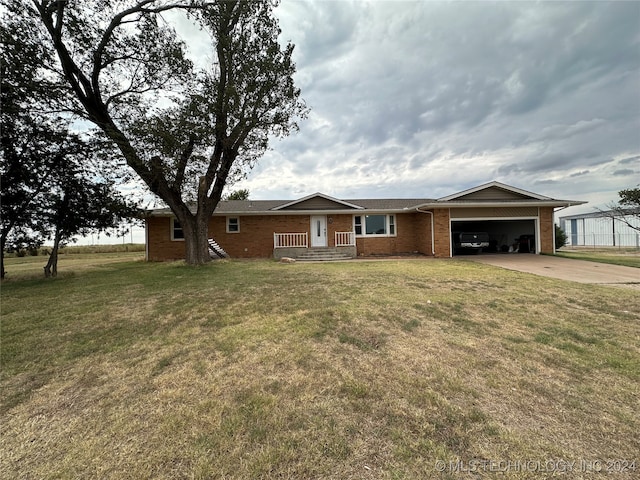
(561, 237)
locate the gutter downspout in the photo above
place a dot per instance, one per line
(433, 247)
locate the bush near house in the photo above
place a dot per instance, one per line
(560, 237)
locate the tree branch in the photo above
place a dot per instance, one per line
(79, 82)
(182, 164)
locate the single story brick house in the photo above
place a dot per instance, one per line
(366, 227)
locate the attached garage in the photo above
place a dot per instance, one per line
(503, 234)
(510, 217)
(506, 226)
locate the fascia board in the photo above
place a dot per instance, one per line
(524, 203)
(269, 213)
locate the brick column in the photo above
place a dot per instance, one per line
(547, 230)
(442, 240)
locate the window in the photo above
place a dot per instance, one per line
(176, 230)
(374, 225)
(233, 224)
(357, 223)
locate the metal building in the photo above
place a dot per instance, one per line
(600, 229)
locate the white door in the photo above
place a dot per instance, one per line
(318, 231)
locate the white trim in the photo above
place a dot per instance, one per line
(398, 211)
(313, 195)
(340, 239)
(363, 225)
(538, 236)
(290, 240)
(485, 219)
(433, 244)
(498, 203)
(323, 238)
(172, 229)
(237, 217)
(450, 233)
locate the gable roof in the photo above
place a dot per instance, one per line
(494, 191)
(487, 195)
(318, 201)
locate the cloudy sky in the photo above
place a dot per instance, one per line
(424, 99)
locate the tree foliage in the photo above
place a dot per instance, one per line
(26, 156)
(52, 183)
(560, 237)
(627, 207)
(630, 200)
(242, 194)
(186, 132)
(77, 205)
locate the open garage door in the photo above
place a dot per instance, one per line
(504, 235)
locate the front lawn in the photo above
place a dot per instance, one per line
(629, 257)
(366, 369)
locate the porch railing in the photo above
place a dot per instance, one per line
(345, 239)
(290, 240)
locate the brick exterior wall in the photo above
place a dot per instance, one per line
(422, 225)
(547, 230)
(442, 232)
(255, 238)
(338, 223)
(413, 235)
(159, 243)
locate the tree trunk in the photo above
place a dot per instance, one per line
(51, 268)
(3, 240)
(196, 234)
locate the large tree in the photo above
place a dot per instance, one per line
(27, 158)
(77, 204)
(53, 186)
(185, 132)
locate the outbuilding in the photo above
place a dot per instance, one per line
(601, 229)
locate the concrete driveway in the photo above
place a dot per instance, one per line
(564, 268)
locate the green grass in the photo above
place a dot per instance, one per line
(624, 256)
(31, 267)
(83, 249)
(255, 369)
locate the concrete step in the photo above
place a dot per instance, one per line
(322, 255)
(323, 251)
(323, 258)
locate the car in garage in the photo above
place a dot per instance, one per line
(472, 242)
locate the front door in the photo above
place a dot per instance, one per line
(319, 231)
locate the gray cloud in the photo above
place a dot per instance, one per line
(422, 98)
(635, 160)
(579, 174)
(624, 172)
